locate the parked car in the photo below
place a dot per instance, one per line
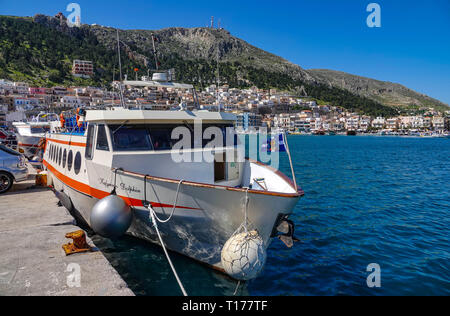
(13, 168)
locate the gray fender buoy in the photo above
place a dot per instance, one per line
(111, 217)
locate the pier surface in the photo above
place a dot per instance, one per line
(32, 261)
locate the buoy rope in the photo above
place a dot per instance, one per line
(247, 201)
(155, 224)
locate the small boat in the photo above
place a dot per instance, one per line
(29, 134)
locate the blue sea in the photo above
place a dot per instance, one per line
(382, 200)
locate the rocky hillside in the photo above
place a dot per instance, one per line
(387, 93)
(40, 50)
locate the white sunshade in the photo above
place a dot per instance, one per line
(158, 84)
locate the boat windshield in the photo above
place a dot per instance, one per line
(38, 130)
(158, 137)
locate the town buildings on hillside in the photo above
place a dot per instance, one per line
(255, 108)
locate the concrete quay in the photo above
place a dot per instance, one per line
(32, 261)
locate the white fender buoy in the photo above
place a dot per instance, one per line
(111, 217)
(244, 256)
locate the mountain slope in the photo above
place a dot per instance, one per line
(40, 50)
(387, 93)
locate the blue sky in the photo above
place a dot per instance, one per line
(412, 47)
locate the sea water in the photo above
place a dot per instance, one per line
(368, 200)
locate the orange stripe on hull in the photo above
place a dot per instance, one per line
(99, 194)
(66, 143)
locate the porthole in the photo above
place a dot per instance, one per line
(60, 156)
(70, 161)
(64, 159)
(77, 163)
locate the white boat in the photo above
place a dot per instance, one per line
(209, 207)
(129, 152)
(29, 134)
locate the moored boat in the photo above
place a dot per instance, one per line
(130, 153)
(30, 134)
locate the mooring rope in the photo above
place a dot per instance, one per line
(155, 224)
(155, 221)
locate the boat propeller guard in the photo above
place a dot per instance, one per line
(285, 231)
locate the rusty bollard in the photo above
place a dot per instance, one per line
(79, 244)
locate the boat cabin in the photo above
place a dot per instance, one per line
(166, 144)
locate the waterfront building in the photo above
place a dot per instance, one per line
(352, 123)
(248, 122)
(6, 87)
(427, 122)
(392, 123)
(438, 123)
(21, 88)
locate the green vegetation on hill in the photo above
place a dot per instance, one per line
(43, 56)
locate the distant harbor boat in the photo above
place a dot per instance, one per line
(29, 134)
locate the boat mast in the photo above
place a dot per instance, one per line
(120, 70)
(218, 79)
(155, 52)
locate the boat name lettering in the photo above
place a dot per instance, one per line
(122, 186)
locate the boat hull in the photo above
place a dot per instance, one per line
(205, 217)
(29, 145)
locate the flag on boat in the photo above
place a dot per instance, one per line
(275, 143)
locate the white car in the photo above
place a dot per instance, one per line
(13, 168)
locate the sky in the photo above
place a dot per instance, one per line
(412, 46)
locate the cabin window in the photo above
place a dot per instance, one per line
(77, 163)
(130, 138)
(102, 139)
(70, 161)
(90, 142)
(37, 130)
(64, 159)
(156, 137)
(162, 138)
